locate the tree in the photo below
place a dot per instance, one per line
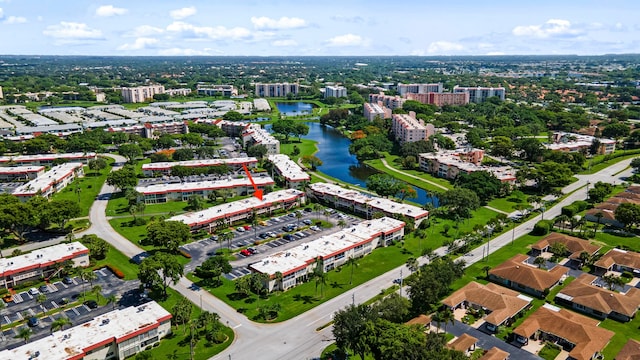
(353, 263)
(165, 141)
(88, 275)
(550, 174)
(60, 323)
(196, 202)
(393, 307)
(232, 116)
(62, 210)
(531, 147)
(445, 316)
(123, 178)
(460, 202)
(540, 261)
(130, 151)
(242, 285)
(212, 268)
(285, 128)
(412, 264)
(635, 163)
(257, 151)
(311, 161)
(181, 312)
(192, 139)
(25, 334)
(349, 327)
(168, 234)
(112, 299)
(97, 291)
(18, 217)
(98, 248)
(41, 299)
(427, 286)
(486, 185)
(97, 164)
(628, 214)
(158, 270)
(615, 131)
(558, 248)
(183, 154)
(501, 146)
(384, 185)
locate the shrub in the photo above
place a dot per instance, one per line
(3, 291)
(117, 272)
(542, 227)
(581, 205)
(569, 210)
(216, 337)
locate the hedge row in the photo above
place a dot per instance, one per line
(575, 207)
(117, 272)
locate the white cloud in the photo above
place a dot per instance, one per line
(183, 13)
(110, 10)
(347, 40)
(139, 44)
(72, 31)
(444, 48)
(214, 33)
(495, 53)
(284, 22)
(1, 13)
(183, 52)
(144, 31)
(15, 20)
(284, 43)
(551, 28)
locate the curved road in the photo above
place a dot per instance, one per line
(297, 338)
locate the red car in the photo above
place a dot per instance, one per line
(247, 227)
(245, 252)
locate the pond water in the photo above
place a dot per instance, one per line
(296, 108)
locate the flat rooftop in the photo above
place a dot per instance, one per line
(197, 163)
(228, 182)
(48, 179)
(20, 169)
(41, 257)
(40, 157)
(117, 325)
(288, 168)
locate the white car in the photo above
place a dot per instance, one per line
(34, 291)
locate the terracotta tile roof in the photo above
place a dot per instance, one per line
(606, 214)
(530, 276)
(628, 259)
(495, 354)
(502, 302)
(420, 320)
(583, 293)
(628, 195)
(577, 329)
(630, 351)
(463, 343)
(617, 200)
(574, 245)
(633, 189)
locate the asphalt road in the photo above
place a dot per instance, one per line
(297, 338)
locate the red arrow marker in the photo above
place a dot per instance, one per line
(257, 192)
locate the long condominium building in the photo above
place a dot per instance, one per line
(406, 128)
(296, 264)
(50, 182)
(335, 91)
(217, 90)
(571, 142)
(480, 94)
(276, 89)
(153, 130)
(118, 334)
(440, 99)
(41, 263)
(373, 110)
(293, 175)
(449, 164)
(242, 210)
(46, 159)
(164, 168)
(404, 89)
(361, 203)
(141, 93)
(165, 192)
(20, 172)
(392, 102)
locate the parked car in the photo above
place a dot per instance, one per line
(91, 304)
(67, 280)
(34, 291)
(33, 321)
(240, 230)
(288, 237)
(308, 209)
(252, 251)
(307, 221)
(43, 288)
(245, 252)
(263, 236)
(247, 227)
(213, 237)
(63, 301)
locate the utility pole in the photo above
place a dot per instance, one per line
(353, 298)
(513, 232)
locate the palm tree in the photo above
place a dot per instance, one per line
(41, 299)
(539, 261)
(97, 291)
(298, 217)
(561, 219)
(486, 269)
(446, 316)
(599, 215)
(353, 262)
(278, 278)
(112, 299)
(88, 275)
(24, 334)
(342, 223)
(60, 323)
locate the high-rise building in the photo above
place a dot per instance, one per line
(335, 91)
(371, 111)
(440, 99)
(419, 88)
(406, 128)
(392, 102)
(480, 94)
(141, 93)
(276, 89)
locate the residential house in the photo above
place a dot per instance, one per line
(630, 351)
(618, 260)
(495, 354)
(522, 276)
(464, 343)
(574, 245)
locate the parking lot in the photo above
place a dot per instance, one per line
(58, 293)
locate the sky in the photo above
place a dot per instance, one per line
(318, 28)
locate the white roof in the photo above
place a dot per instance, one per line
(68, 156)
(288, 168)
(298, 257)
(20, 169)
(196, 163)
(241, 206)
(229, 182)
(109, 327)
(409, 122)
(376, 203)
(46, 180)
(50, 254)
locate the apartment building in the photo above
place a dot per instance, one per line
(46, 159)
(404, 89)
(276, 89)
(296, 264)
(217, 90)
(41, 263)
(480, 94)
(406, 128)
(364, 204)
(50, 182)
(373, 110)
(440, 99)
(261, 105)
(449, 164)
(335, 91)
(165, 192)
(391, 102)
(164, 168)
(153, 130)
(178, 92)
(251, 134)
(571, 142)
(141, 93)
(293, 175)
(15, 173)
(118, 334)
(242, 210)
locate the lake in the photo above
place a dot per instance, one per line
(294, 108)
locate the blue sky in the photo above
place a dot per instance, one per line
(302, 27)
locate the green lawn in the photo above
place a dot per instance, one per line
(120, 261)
(133, 233)
(391, 161)
(304, 297)
(178, 342)
(306, 146)
(611, 240)
(118, 206)
(598, 163)
(508, 204)
(549, 352)
(84, 189)
(623, 332)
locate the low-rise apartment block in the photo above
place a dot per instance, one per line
(165, 192)
(276, 89)
(335, 91)
(118, 334)
(178, 92)
(242, 210)
(480, 94)
(251, 134)
(164, 168)
(293, 175)
(14, 173)
(392, 102)
(373, 110)
(50, 182)
(404, 89)
(41, 263)
(46, 159)
(297, 263)
(449, 164)
(364, 204)
(217, 90)
(141, 93)
(406, 128)
(440, 99)
(571, 142)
